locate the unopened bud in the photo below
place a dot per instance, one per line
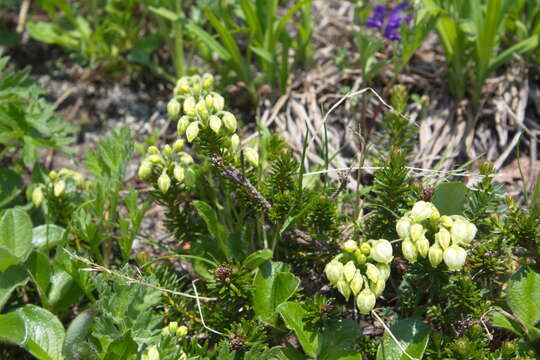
(344, 289)
(167, 150)
(192, 131)
(334, 271)
(196, 84)
(173, 325)
(356, 282)
(251, 156)
(155, 159)
(422, 246)
(218, 102)
(207, 81)
(53, 175)
(403, 226)
(360, 257)
(349, 270)
(37, 196)
(235, 141)
(372, 272)
(145, 169)
(365, 248)
(178, 145)
(178, 173)
(378, 287)
(182, 86)
(435, 255)
(153, 353)
(215, 123)
(189, 106)
(350, 246)
(381, 251)
(229, 121)
(447, 221)
(454, 257)
(59, 188)
(201, 109)
(186, 159)
(435, 214)
(384, 270)
(416, 232)
(152, 150)
(181, 331)
(421, 211)
(182, 125)
(462, 232)
(209, 101)
(443, 238)
(365, 301)
(164, 182)
(409, 251)
(173, 109)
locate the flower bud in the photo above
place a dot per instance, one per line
(189, 106)
(145, 169)
(178, 173)
(435, 214)
(384, 270)
(422, 246)
(360, 257)
(182, 125)
(372, 272)
(350, 246)
(344, 289)
(443, 238)
(196, 84)
(207, 81)
(462, 232)
(365, 248)
(416, 232)
(356, 282)
(446, 221)
(189, 177)
(165, 331)
(454, 257)
(218, 102)
(435, 255)
(59, 187)
(229, 121)
(164, 182)
(458, 218)
(378, 287)
(152, 150)
(153, 353)
(215, 123)
(409, 251)
(192, 131)
(209, 101)
(173, 325)
(403, 226)
(186, 159)
(201, 109)
(349, 270)
(37, 196)
(181, 331)
(178, 145)
(167, 150)
(251, 156)
(183, 356)
(334, 271)
(155, 159)
(381, 251)
(173, 109)
(182, 86)
(421, 211)
(235, 142)
(365, 301)
(53, 175)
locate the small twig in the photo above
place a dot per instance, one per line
(200, 310)
(505, 313)
(392, 335)
(343, 182)
(99, 268)
(22, 16)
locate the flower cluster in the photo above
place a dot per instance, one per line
(172, 332)
(361, 270)
(159, 166)
(426, 233)
(65, 180)
(393, 18)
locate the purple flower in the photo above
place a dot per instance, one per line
(376, 20)
(393, 22)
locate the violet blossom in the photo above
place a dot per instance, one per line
(393, 20)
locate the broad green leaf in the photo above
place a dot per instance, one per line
(63, 290)
(498, 319)
(449, 198)
(7, 259)
(45, 333)
(206, 38)
(523, 295)
(16, 233)
(337, 341)
(40, 271)
(45, 237)
(293, 315)
(11, 279)
(413, 336)
(273, 285)
(123, 348)
(210, 218)
(77, 332)
(11, 185)
(257, 258)
(12, 329)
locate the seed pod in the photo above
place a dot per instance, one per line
(409, 251)
(164, 182)
(37, 196)
(251, 156)
(178, 145)
(182, 125)
(403, 226)
(207, 81)
(372, 272)
(378, 287)
(201, 110)
(59, 187)
(381, 251)
(178, 173)
(173, 109)
(350, 246)
(422, 246)
(334, 271)
(416, 232)
(421, 211)
(235, 142)
(189, 106)
(218, 102)
(365, 301)
(215, 123)
(349, 270)
(145, 169)
(454, 257)
(192, 131)
(356, 283)
(435, 255)
(229, 121)
(443, 238)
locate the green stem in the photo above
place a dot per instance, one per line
(177, 44)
